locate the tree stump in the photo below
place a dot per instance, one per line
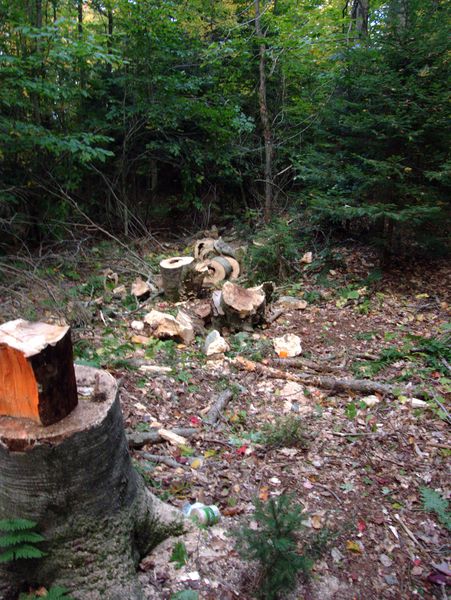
(76, 480)
(240, 308)
(182, 277)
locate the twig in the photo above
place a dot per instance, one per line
(305, 363)
(138, 439)
(359, 433)
(165, 460)
(215, 411)
(321, 485)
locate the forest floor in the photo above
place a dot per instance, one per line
(358, 466)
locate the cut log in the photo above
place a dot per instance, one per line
(242, 307)
(235, 268)
(224, 248)
(76, 480)
(219, 269)
(204, 248)
(182, 277)
(37, 378)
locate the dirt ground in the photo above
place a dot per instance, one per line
(359, 471)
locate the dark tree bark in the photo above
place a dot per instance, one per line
(264, 115)
(76, 480)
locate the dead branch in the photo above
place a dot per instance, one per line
(305, 363)
(362, 386)
(165, 460)
(139, 439)
(215, 411)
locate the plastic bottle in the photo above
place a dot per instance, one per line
(205, 515)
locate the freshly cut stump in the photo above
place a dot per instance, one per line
(242, 308)
(76, 480)
(182, 277)
(37, 378)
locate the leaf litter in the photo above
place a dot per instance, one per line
(369, 459)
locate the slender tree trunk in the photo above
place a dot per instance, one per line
(264, 116)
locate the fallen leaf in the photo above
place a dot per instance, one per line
(264, 493)
(353, 547)
(361, 525)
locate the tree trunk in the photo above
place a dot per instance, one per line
(264, 116)
(239, 308)
(76, 480)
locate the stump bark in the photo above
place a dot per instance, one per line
(75, 479)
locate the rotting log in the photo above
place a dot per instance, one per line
(37, 378)
(76, 480)
(182, 277)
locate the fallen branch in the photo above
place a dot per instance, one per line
(138, 439)
(215, 411)
(305, 363)
(362, 386)
(165, 460)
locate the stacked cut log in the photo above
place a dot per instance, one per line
(214, 261)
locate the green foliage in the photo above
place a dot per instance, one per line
(179, 555)
(185, 595)
(273, 254)
(274, 545)
(18, 540)
(54, 593)
(432, 353)
(384, 133)
(285, 432)
(434, 502)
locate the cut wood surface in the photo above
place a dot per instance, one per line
(363, 386)
(235, 268)
(242, 307)
(219, 269)
(204, 248)
(37, 378)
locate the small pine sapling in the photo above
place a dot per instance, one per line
(274, 545)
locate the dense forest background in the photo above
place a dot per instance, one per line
(139, 114)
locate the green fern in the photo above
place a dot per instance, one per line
(18, 540)
(54, 593)
(434, 502)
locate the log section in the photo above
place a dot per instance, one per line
(37, 378)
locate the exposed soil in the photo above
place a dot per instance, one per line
(359, 479)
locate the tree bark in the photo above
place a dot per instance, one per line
(264, 116)
(76, 480)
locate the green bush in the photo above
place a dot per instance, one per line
(286, 432)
